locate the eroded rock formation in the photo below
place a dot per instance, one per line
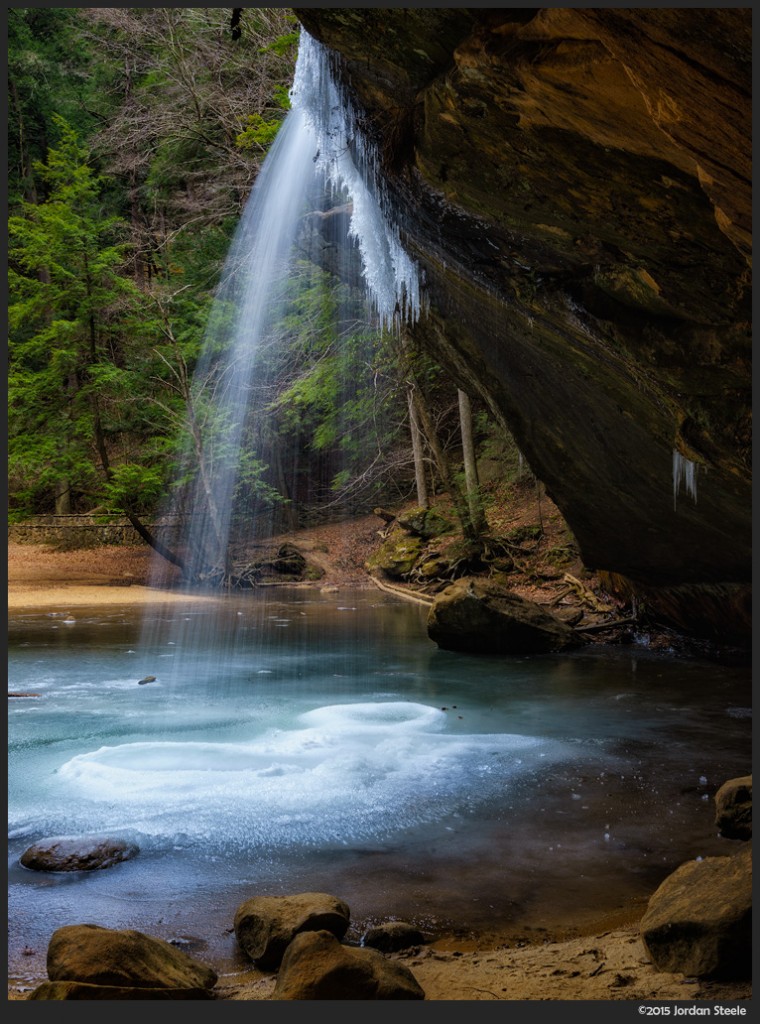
(266, 925)
(575, 185)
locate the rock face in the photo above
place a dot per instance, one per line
(483, 618)
(733, 808)
(699, 921)
(71, 853)
(265, 925)
(87, 954)
(575, 184)
(317, 966)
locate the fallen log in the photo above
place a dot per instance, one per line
(597, 627)
(389, 588)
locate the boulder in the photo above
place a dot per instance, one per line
(80, 990)
(699, 921)
(396, 556)
(100, 956)
(77, 853)
(392, 936)
(733, 808)
(289, 561)
(265, 925)
(317, 966)
(482, 617)
(425, 523)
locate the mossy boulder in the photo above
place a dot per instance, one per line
(481, 617)
(397, 555)
(733, 808)
(425, 523)
(699, 921)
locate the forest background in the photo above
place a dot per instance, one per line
(135, 137)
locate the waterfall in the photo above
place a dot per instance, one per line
(317, 151)
(347, 160)
(684, 472)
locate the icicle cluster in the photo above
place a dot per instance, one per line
(684, 472)
(349, 162)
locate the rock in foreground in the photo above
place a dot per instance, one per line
(265, 925)
(103, 956)
(317, 966)
(733, 808)
(481, 617)
(393, 936)
(74, 853)
(699, 921)
(78, 990)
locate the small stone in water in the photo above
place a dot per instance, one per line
(146, 679)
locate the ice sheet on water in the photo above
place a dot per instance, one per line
(355, 769)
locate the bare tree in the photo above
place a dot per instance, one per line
(181, 96)
(472, 483)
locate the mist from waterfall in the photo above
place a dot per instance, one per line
(317, 161)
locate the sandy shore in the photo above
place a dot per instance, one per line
(612, 965)
(604, 966)
(608, 963)
(81, 596)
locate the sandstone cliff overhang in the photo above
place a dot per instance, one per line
(575, 184)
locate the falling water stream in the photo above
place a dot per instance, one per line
(296, 740)
(316, 153)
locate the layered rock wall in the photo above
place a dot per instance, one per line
(575, 185)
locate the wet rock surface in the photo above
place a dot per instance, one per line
(71, 853)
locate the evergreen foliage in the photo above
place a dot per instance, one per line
(70, 308)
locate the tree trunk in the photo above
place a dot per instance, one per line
(444, 469)
(472, 483)
(425, 424)
(423, 499)
(62, 498)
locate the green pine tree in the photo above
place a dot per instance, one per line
(71, 310)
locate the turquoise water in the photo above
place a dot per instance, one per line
(298, 741)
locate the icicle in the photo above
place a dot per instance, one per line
(349, 162)
(684, 472)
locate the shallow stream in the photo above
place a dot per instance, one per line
(296, 741)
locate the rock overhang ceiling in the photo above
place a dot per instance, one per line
(576, 185)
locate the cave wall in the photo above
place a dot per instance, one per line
(575, 184)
